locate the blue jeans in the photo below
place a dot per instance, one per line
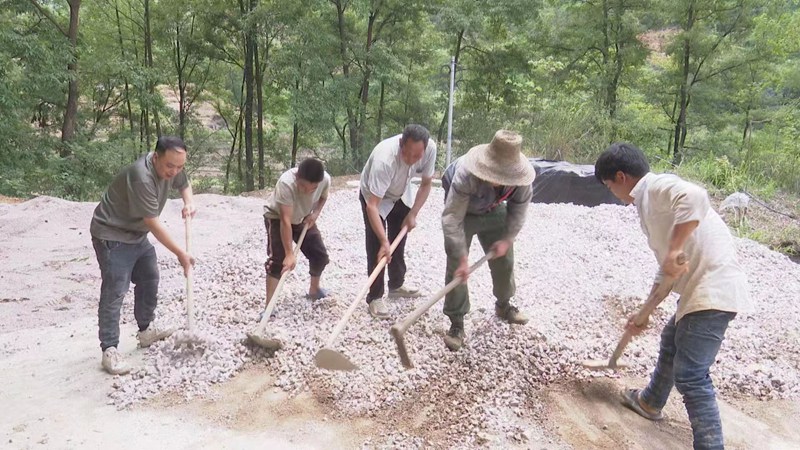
(121, 264)
(687, 351)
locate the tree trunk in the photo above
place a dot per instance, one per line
(179, 69)
(379, 127)
(351, 117)
(260, 102)
(680, 125)
(248, 105)
(148, 53)
(295, 136)
(71, 114)
(125, 79)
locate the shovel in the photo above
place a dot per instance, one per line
(188, 337)
(327, 357)
(664, 288)
(259, 334)
(400, 328)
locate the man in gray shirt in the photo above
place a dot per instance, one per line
(388, 205)
(128, 210)
(487, 193)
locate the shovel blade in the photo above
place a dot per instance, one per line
(333, 360)
(602, 364)
(262, 340)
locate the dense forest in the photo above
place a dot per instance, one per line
(86, 86)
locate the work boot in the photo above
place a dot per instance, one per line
(113, 362)
(377, 309)
(454, 339)
(153, 334)
(405, 291)
(510, 313)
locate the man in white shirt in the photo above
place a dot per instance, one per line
(387, 202)
(676, 216)
(298, 199)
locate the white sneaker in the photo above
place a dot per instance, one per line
(153, 334)
(113, 362)
(405, 291)
(377, 309)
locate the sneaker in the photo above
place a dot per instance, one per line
(153, 334)
(510, 313)
(113, 362)
(377, 309)
(405, 291)
(632, 398)
(454, 339)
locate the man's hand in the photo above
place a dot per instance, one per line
(410, 221)
(188, 210)
(289, 261)
(386, 251)
(500, 248)
(631, 325)
(671, 268)
(187, 262)
(311, 219)
(462, 271)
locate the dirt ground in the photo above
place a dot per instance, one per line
(55, 395)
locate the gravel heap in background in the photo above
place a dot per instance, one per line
(580, 272)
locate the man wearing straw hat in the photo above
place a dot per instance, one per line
(387, 202)
(487, 192)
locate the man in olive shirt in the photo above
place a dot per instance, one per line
(128, 210)
(487, 193)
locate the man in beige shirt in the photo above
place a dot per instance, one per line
(676, 216)
(297, 201)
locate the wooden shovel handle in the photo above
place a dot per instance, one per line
(375, 272)
(664, 288)
(414, 316)
(274, 300)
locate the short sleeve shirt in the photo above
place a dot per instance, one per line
(287, 193)
(715, 279)
(135, 193)
(387, 176)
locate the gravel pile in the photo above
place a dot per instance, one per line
(580, 272)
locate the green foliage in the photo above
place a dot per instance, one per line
(570, 76)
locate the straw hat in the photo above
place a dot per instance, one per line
(501, 161)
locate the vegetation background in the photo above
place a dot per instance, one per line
(710, 89)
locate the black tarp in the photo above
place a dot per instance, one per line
(564, 182)
(560, 182)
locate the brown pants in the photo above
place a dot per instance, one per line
(312, 247)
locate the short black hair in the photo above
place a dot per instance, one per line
(416, 133)
(311, 170)
(621, 156)
(165, 143)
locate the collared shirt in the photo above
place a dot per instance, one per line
(715, 279)
(388, 177)
(135, 194)
(468, 194)
(287, 193)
